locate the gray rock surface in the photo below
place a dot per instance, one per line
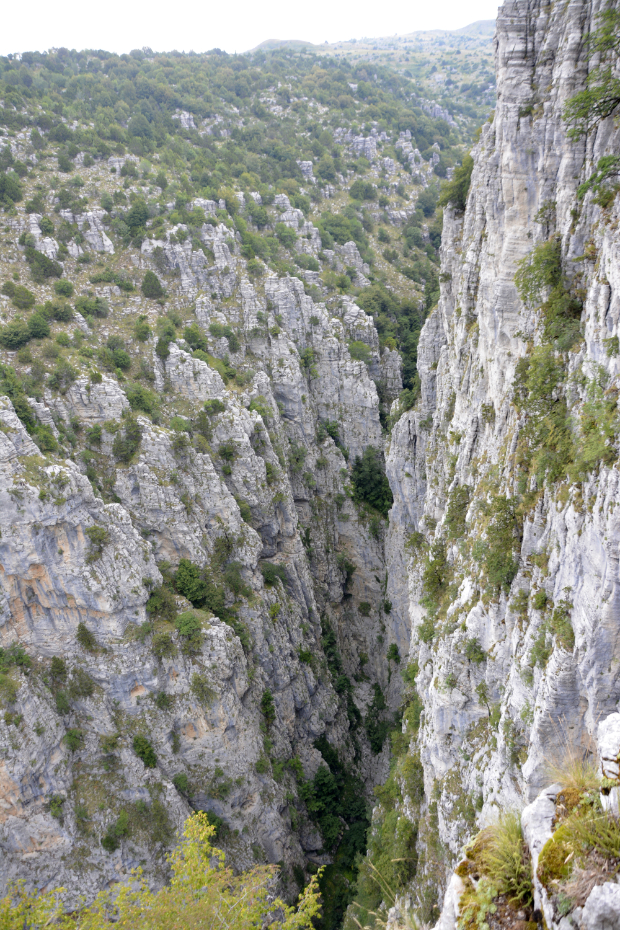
(464, 433)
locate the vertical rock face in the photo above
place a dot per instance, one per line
(507, 571)
(267, 489)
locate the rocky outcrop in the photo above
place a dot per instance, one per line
(266, 482)
(511, 666)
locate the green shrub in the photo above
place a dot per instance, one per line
(20, 296)
(92, 306)
(189, 627)
(85, 638)
(370, 484)
(163, 646)
(455, 192)
(151, 286)
(14, 656)
(141, 399)
(456, 511)
(271, 572)
(376, 725)
(474, 651)
(55, 806)
(42, 267)
(503, 543)
(560, 624)
(363, 190)
(360, 352)
(540, 273)
(144, 750)
(267, 707)
(161, 603)
(82, 685)
(601, 96)
(285, 235)
(127, 441)
(142, 330)
(62, 377)
(62, 702)
(202, 690)
(393, 655)
(8, 689)
(98, 538)
(63, 288)
(181, 783)
(435, 577)
(115, 832)
(14, 335)
(74, 739)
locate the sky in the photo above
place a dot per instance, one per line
(122, 25)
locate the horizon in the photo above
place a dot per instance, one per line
(43, 29)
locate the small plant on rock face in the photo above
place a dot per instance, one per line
(98, 537)
(267, 707)
(144, 750)
(85, 638)
(74, 739)
(202, 690)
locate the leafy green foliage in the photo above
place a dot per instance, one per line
(435, 576)
(189, 627)
(98, 538)
(455, 192)
(85, 637)
(127, 441)
(456, 511)
(144, 750)
(370, 484)
(360, 352)
(503, 543)
(142, 399)
(601, 97)
(540, 274)
(267, 707)
(115, 832)
(376, 724)
(272, 572)
(546, 442)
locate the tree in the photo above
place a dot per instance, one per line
(202, 892)
(151, 286)
(455, 191)
(601, 98)
(370, 484)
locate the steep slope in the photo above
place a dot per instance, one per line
(503, 545)
(194, 406)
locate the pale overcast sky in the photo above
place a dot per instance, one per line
(119, 26)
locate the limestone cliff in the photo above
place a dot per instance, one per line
(503, 547)
(269, 488)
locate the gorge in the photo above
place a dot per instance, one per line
(308, 485)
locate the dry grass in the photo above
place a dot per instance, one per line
(572, 767)
(503, 856)
(576, 772)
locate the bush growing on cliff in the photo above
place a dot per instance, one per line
(144, 750)
(601, 97)
(202, 892)
(455, 192)
(127, 441)
(370, 484)
(540, 273)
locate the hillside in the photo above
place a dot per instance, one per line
(214, 272)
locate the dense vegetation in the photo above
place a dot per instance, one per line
(202, 892)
